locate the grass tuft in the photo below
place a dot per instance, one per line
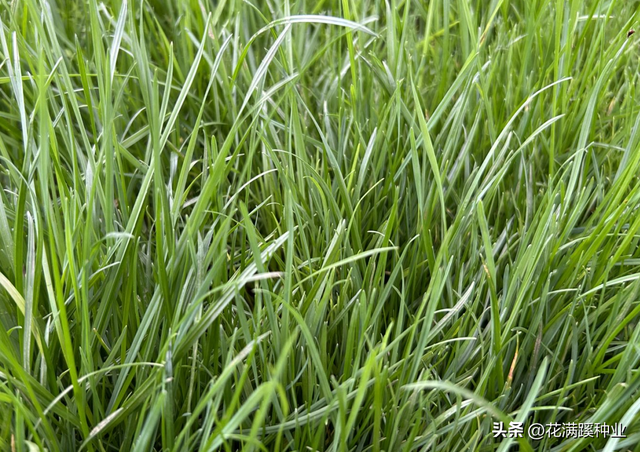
(318, 225)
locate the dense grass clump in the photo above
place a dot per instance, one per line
(296, 225)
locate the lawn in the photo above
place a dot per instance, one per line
(319, 225)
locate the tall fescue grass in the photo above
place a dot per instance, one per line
(296, 225)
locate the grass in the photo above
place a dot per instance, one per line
(299, 225)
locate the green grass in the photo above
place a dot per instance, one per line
(295, 225)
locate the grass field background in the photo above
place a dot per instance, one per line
(354, 225)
